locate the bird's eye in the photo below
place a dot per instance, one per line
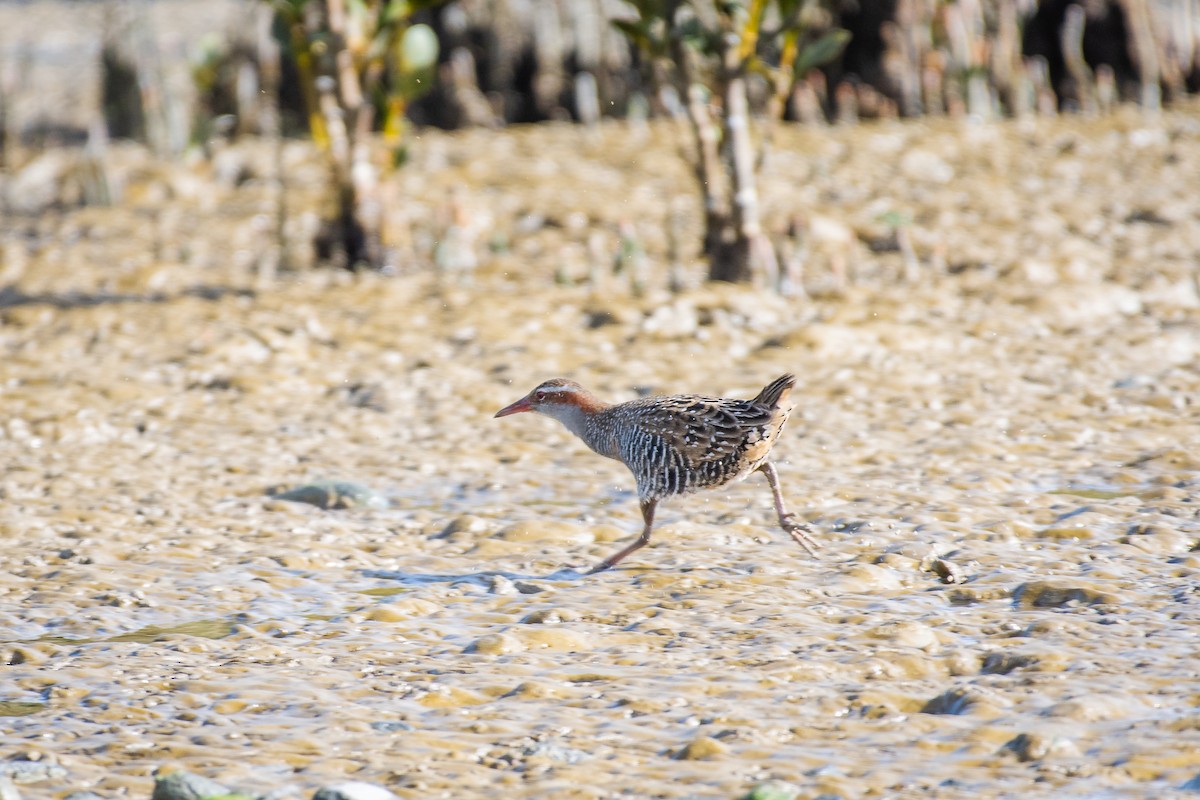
(539, 395)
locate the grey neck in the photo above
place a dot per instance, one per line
(590, 427)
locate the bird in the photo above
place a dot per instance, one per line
(676, 444)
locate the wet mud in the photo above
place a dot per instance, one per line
(997, 444)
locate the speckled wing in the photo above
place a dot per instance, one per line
(705, 429)
(677, 445)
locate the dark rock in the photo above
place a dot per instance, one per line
(948, 571)
(334, 495)
(1004, 663)
(186, 786)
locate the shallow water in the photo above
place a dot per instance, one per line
(1026, 410)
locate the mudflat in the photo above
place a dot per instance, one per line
(995, 438)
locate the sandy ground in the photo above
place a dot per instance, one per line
(1017, 417)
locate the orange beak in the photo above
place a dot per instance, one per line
(516, 408)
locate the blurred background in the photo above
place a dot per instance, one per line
(360, 78)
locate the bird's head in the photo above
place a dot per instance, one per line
(554, 398)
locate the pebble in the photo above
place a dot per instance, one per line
(401, 610)
(907, 633)
(545, 531)
(773, 790)
(1052, 594)
(948, 571)
(465, 524)
(1004, 663)
(865, 578)
(329, 495)
(1157, 539)
(31, 771)
(391, 726)
(1036, 746)
(499, 584)
(967, 700)
(1096, 707)
(550, 616)
(354, 790)
(556, 752)
(181, 785)
(553, 637)
(496, 644)
(702, 748)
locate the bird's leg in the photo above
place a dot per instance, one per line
(642, 541)
(796, 529)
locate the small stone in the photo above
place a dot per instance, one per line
(907, 633)
(391, 726)
(1048, 594)
(354, 790)
(31, 771)
(964, 700)
(183, 785)
(371, 396)
(533, 690)
(1004, 663)
(948, 571)
(773, 790)
(545, 531)
(867, 578)
(402, 610)
(1097, 707)
(1157, 539)
(702, 748)
(328, 495)
(465, 524)
(550, 616)
(553, 637)
(498, 584)
(496, 644)
(1036, 746)
(556, 752)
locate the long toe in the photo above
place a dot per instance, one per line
(800, 532)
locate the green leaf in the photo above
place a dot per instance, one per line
(820, 52)
(397, 11)
(894, 219)
(694, 34)
(637, 32)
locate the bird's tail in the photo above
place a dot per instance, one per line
(776, 391)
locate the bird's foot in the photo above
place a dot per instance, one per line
(601, 567)
(800, 532)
